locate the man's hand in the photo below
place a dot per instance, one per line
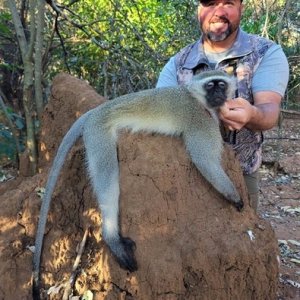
(238, 113)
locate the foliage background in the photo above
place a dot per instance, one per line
(120, 47)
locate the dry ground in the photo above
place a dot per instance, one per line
(280, 200)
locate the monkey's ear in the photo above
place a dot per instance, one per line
(196, 89)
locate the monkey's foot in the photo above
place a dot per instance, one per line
(124, 254)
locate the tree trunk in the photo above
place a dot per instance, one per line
(38, 59)
(26, 49)
(29, 116)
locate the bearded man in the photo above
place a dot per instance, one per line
(261, 70)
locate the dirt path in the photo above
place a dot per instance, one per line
(280, 200)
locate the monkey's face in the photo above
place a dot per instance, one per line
(216, 92)
(212, 88)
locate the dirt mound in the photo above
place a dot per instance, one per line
(191, 244)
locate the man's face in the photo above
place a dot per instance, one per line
(219, 19)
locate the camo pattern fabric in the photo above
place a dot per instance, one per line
(241, 61)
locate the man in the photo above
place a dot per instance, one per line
(260, 67)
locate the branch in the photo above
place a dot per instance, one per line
(62, 43)
(264, 31)
(136, 32)
(291, 113)
(70, 283)
(65, 17)
(31, 42)
(10, 124)
(280, 21)
(19, 29)
(282, 138)
(38, 58)
(59, 12)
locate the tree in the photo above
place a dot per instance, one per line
(30, 45)
(119, 46)
(120, 52)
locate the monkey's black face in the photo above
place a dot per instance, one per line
(216, 91)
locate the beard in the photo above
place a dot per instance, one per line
(219, 36)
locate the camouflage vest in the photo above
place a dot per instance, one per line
(241, 61)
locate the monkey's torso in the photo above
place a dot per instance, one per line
(170, 111)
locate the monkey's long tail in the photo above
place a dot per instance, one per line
(68, 141)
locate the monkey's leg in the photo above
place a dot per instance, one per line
(103, 169)
(205, 151)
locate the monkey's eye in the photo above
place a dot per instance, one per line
(222, 85)
(209, 85)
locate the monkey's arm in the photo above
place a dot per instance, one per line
(205, 149)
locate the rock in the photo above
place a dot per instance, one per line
(191, 244)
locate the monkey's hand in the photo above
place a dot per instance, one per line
(237, 202)
(123, 251)
(239, 205)
(235, 199)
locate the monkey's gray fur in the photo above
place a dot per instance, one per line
(188, 111)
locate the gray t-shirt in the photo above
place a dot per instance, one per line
(272, 73)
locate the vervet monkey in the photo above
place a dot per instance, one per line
(188, 111)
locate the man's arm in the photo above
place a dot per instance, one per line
(268, 87)
(168, 77)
